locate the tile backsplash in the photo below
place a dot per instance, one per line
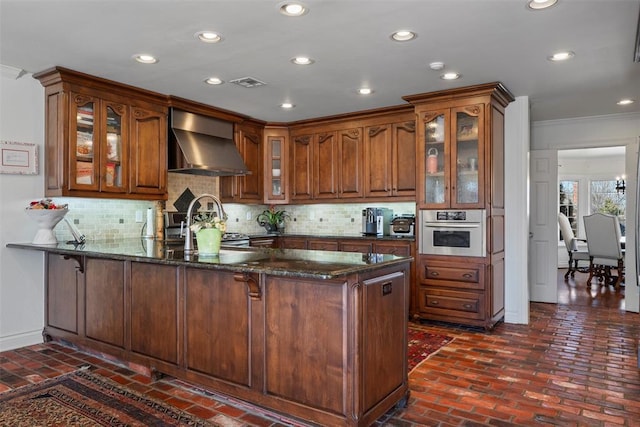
(110, 219)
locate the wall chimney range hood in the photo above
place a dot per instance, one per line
(201, 145)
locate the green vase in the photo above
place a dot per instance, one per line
(208, 240)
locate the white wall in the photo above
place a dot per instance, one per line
(21, 272)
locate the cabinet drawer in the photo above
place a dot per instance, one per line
(398, 249)
(467, 277)
(293, 243)
(362, 247)
(469, 305)
(322, 245)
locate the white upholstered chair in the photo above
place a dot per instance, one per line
(571, 242)
(603, 241)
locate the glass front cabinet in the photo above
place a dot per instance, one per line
(451, 156)
(96, 149)
(276, 165)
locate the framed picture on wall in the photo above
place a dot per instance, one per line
(19, 158)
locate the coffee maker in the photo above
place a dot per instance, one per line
(376, 221)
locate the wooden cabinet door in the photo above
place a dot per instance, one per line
(385, 299)
(250, 147)
(148, 151)
(325, 170)
(104, 306)
(378, 161)
(64, 283)
(114, 166)
(350, 163)
(403, 155)
(217, 325)
(293, 243)
(154, 311)
(301, 173)
(467, 150)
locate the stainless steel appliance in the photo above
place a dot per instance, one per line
(453, 232)
(175, 224)
(403, 225)
(376, 221)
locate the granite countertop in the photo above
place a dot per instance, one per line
(285, 262)
(359, 236)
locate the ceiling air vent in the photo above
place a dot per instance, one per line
(248, 82)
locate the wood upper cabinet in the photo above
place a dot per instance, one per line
(103, 139)
(247, 188)
(327, 164)
(301, 171)
(390, 160)
(148, 151)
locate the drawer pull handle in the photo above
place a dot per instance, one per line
(434, 273)
(435, 302)
(467, 275)
(467, 306)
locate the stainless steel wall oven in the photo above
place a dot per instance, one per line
(453, 232)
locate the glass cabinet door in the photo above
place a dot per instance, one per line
(466, 167)
(113, 155)
(84, 146)
(275, 187)
(436, 155)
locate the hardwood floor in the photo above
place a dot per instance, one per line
(575, 364)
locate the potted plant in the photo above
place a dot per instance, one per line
(273, 220)
(209, 228)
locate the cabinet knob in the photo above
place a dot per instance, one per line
(467, 275)
(467, 306)
(434, 273)
(435, 302)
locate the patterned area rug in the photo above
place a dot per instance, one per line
(422, 344)
(83, 399)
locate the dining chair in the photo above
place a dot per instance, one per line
(605, 252)
(571, 243)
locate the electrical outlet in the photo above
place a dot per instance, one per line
(248, 215)
(138, 216)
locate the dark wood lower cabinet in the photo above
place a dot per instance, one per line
(154, 311)
(332, 352)
(105, 282)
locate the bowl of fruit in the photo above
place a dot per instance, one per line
(46, 215)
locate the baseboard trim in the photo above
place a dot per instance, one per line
(12, 342)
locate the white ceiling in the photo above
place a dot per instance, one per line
(485, 40)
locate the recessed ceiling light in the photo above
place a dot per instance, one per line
(208, 36)
(302, 60)
(561, 56)
(214, 81)
(403, 36)
(625, 102)
(287, 105)
(145, 58)
(293, 8)
(450, 76)
(540, 4)
(436, 65)
(365, 91)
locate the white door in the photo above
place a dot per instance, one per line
(543, 226)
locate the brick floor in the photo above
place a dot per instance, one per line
(575, 364)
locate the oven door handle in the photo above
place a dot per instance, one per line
(440, 225)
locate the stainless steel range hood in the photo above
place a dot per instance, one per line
(201, 145)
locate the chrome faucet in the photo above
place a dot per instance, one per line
(188, 238)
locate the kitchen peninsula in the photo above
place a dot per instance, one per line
(319, 335)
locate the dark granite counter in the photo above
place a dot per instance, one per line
(284, 262)
(358, 236)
